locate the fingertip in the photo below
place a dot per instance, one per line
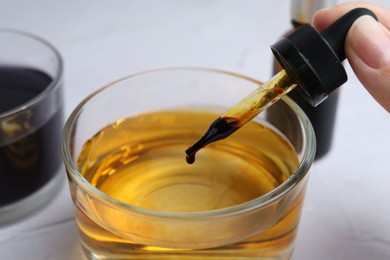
(321, 19)
(368, 51)
(370, 41)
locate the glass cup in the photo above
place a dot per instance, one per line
(31, 120)
(134, 195)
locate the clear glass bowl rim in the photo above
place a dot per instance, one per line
(54, 84)
(300, 173)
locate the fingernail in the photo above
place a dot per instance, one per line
(370, 41)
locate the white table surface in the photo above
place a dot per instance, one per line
(347, 209)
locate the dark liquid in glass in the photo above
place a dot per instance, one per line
(30, 161)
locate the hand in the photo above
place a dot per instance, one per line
(367, 47)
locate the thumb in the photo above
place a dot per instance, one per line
(368, 51)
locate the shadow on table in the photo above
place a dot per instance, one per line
(57, 241)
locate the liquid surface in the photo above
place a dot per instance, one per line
(19, 85)
(140, 161)
(27, 163)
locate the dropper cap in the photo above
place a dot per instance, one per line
(314, 60)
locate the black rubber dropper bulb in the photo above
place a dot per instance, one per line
(311, 60)
(314, 60)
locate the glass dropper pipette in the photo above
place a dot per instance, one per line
(311, 60)
(244, 111)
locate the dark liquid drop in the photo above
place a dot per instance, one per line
(218, 130)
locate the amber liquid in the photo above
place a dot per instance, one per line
(141, 161)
